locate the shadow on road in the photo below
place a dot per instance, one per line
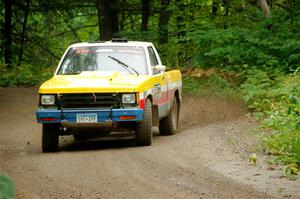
(114, 141)
(97, 145)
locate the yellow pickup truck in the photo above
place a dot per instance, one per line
(111, 86)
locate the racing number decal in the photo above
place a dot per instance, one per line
(157, 91)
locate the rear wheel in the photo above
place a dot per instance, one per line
(169, 124)
(144, 135)
(50, 137)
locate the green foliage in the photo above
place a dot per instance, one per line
(24, 75)
(213, 85)
(235, 36)
(277, 99)
(237, 46)
(291, 171)
(7, 187)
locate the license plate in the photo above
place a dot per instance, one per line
(86, 118)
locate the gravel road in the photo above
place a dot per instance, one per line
(201, 161)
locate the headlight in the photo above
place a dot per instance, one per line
(47, 99)
(128, 98)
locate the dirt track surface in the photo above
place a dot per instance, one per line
(206, 159)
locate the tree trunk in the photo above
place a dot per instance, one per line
(107, 18)
(293, 8)
(180, 19)
(164, 16)
(8, 33)
(265, 8)
(181, 32)
(226, 13)
(122, 20)
(226, 6)
(214, 7)
(23, 35)
(145, 14)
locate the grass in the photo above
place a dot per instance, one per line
(7, 187)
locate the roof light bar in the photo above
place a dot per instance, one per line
(122, 40)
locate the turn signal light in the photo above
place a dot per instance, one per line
(48, 119)
(127, 117)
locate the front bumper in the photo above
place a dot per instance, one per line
(105, 115)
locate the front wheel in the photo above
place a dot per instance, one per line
(50, 137)
(169, 124)
(144, 135)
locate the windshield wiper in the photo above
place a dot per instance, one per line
(124, 65)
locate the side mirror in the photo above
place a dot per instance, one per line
(160, 68)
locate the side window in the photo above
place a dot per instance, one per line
(153, 59)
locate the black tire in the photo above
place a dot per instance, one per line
(144, 135)
(50, 137)
(169, 124)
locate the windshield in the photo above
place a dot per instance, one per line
(98, 58)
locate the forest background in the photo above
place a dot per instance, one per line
(247, 49)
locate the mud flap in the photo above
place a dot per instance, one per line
(155, 116)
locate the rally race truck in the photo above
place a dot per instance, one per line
(112, 86)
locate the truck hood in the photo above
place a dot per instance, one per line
(87, 82)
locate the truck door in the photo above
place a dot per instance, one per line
(160, 87)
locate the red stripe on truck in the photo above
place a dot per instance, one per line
(142, 103)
